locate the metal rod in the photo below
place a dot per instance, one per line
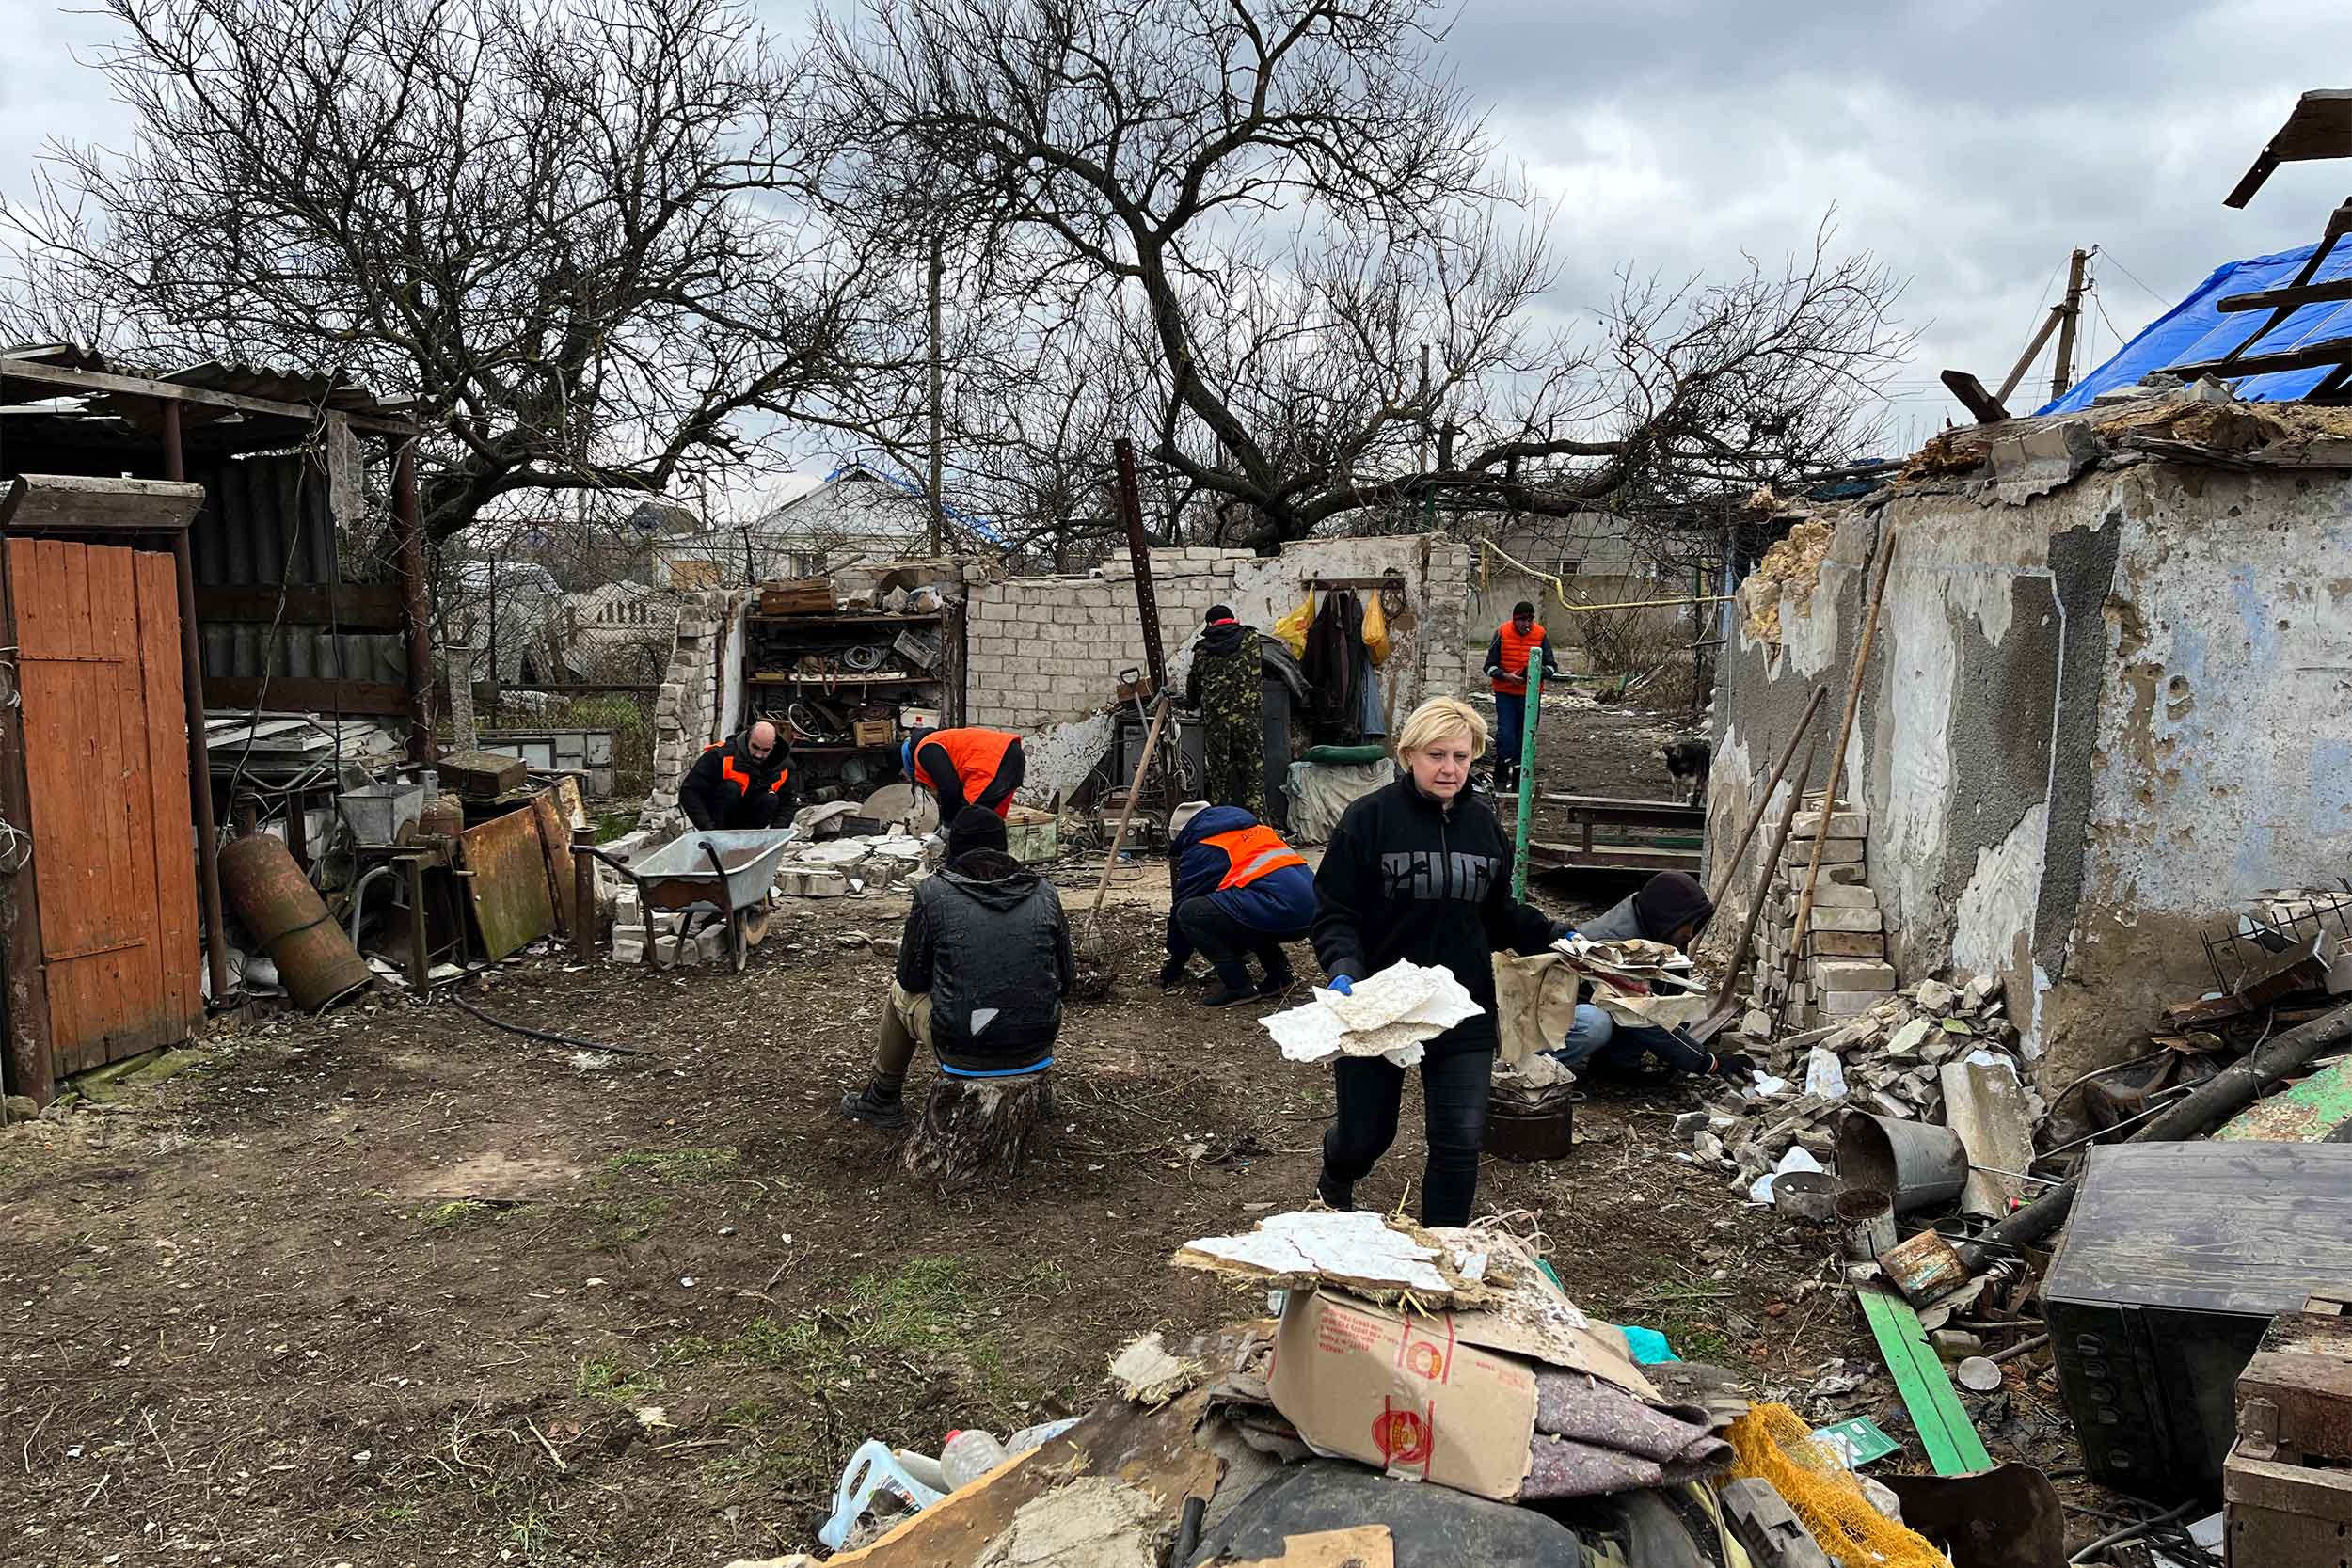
(199, 751)
(1126, 814)
(2022, 1347)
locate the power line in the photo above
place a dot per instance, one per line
(2128, 272)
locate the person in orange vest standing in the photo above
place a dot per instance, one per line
(1515, 641)
(744, 782)
(965, 768)
(1240, 890)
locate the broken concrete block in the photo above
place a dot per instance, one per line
(1758, 1024)
(665, 952)
(789, 881)
(1853, 974)
(1847, 920)
(1835, 851)
(2042, 460)
(1935, 996)
(1840, 896)
(711, 945)
(1985, 1104)
(1851, 875)
(824, 884)
(1978, 991)
(628, 950)
(1907, 1041)
(1844, 824)
(1845, 1003)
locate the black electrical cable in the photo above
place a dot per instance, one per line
(547, 1035)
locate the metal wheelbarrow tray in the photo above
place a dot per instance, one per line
(730, 869)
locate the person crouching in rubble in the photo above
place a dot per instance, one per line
(744, 782)
(1673, 908)
(965, 768)
(984, 962)
(1420, 869)
(1239, 890)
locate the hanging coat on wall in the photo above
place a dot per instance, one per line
(1334, 644)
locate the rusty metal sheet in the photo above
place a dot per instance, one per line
(555, 843)
(508, 888)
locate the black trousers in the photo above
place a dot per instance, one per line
(1456, 1087)
(1223, 940)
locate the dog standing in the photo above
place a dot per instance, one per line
(1690, 760)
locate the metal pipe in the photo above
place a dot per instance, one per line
(360, 896)
(1532, 700)
(410, 524)
(199, 754)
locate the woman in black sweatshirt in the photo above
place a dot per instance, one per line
(1420, 870)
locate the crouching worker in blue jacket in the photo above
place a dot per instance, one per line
(1239, 890)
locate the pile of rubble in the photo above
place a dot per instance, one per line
(1891, 1061)
(854, 867)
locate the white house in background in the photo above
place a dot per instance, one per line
(854, 516)
(617, 631)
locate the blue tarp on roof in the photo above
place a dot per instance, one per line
(2194, 330)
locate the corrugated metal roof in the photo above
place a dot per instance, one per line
(214, 375)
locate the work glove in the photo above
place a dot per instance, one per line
(1567, 929)
(1171, 975)
(1342, 984)
(1734, 1064)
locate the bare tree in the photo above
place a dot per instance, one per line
(1260, 211)
(556, 225)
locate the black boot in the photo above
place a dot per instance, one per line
(873, 1106)
(1228, 995)
(1277, 982)
(1335, 1195)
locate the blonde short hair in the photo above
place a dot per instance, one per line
(1437, 718)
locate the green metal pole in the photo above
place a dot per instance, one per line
(1527, 769)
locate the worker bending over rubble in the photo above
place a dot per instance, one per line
(1239, 890)
(745, 782)
(1673, 908)
(1419, 869)
(984, 961)
(965, 768)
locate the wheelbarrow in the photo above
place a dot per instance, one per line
(726, 869)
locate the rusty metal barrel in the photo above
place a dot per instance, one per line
(277, 903)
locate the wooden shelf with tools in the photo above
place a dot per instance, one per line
(792, 670)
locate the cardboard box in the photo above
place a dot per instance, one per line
(1448, 1398)
(874, 732)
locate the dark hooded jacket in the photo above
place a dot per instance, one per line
(728, 787)
(1665, 903)
(1403, 877)
(1279, 903)
(987, 941)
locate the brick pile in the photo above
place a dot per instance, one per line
(1843, 970)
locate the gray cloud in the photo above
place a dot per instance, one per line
(1967, 146)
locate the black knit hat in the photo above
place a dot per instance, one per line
(1217, 613)
(975, 827)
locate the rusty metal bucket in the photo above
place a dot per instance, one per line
(1913, 1162)
(1548, 1133)
(284, 913)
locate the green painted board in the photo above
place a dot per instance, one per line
(1944, 1431)
(2305, 1114)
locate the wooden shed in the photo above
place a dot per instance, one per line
(168, 542)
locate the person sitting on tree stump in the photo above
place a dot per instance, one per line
(984, 962)
(1227, 687)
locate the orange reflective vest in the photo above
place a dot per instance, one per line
(1254, 852)
(1516, 652)
(733, 772)
(976, 753)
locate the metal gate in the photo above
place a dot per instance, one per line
(105, 738)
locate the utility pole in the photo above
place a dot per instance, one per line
(939, 409)
(2069, 315)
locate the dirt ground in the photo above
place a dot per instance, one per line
(394, 1287)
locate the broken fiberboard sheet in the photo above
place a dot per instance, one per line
(1638, 982)
(1449, 1397)
(1392, 1014)
(1356, 1250)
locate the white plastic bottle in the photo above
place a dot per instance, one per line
(968, 1456)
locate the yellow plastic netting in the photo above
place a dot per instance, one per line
(1773, 1444)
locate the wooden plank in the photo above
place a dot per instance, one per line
(351, 605)
(508, 889)
(1987, 408)
(31, 1067)
(291, 693)
(80, 504)
(2310, 293)
(1614, 857)
(2331, 351)
(1952, 1442)
(177, 926)
(88, 382)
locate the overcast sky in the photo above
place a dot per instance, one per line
(1969, 145)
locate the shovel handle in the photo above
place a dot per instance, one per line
(1126, 814)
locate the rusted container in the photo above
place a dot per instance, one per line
(1547, 1131)
(1924, 1268)
(277, 904)
(444, 817)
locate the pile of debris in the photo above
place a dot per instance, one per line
(854, 867)
(1899, 1059)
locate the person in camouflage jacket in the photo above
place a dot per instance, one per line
(1228, 689)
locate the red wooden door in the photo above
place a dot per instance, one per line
(105, 739)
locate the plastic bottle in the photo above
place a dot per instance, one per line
(1037, 1435)
(968, 1456)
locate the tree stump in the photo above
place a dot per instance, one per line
(975, 1127)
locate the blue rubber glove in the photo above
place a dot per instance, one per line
(1342, 984)
(1564, 933)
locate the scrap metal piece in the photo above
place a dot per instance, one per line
(1768, 1528)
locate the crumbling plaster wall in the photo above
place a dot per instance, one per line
(1044, 654)
(2092, 723)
